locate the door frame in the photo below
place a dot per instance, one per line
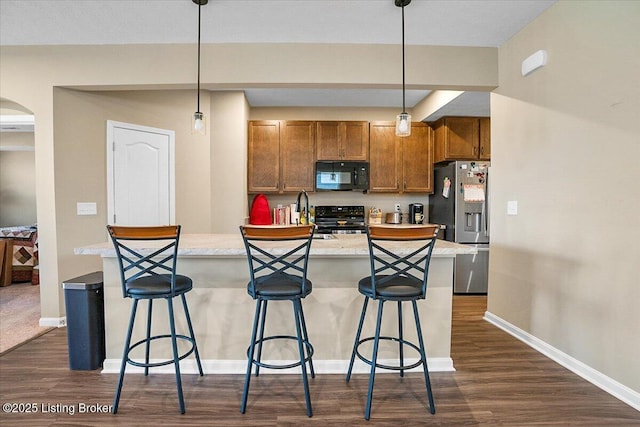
(111, 126)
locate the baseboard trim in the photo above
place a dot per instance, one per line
(611, 386)
(436, 364)
(53, 322)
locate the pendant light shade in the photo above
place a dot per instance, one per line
(198, 124)
(403, 124)
(403, 120)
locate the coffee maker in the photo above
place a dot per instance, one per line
(416, 213)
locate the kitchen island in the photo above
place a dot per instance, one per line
(222, 311)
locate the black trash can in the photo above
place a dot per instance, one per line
(84, 300)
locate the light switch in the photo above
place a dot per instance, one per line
(86, 208)
(512, 207)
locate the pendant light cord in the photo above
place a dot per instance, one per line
(404, 111)
(199, 19)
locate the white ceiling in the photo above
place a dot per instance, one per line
(427, 22)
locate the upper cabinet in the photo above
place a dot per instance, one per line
(280, 156)
(462, 138)
(263, 156)
(297, 148)
(385, 158)
(417, 160)
(485, 138)
(397, 164)
(342, 141)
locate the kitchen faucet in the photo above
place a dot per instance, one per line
(306, 210)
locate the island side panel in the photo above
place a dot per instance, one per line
(222, 311)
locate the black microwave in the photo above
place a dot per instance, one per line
(342, 176)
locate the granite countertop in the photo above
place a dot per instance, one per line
(195, 245)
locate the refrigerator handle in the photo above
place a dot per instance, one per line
(485, 206)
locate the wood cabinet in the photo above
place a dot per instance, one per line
(297, 148)
(280, 156)
(400, 165)
(417, 160)
(263, 156)
(485, 139)
(462, 138)
(384, 158)
(342, 141)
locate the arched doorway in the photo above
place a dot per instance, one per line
(19, 293)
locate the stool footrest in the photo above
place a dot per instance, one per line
(164, 362)
(307, 345)
(390, 367)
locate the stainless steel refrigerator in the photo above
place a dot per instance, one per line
(461, 203)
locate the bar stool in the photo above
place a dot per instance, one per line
(278, 272)
(399, 258)
(149, 275)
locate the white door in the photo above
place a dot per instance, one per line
(140, 175)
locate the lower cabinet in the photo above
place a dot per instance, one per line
(400, 164)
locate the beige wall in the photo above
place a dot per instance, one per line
(17, 180)
(228, 162)
(80, 168)
(566, 146)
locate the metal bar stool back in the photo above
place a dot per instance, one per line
(278, 259)
(147, 259)
(399, 261)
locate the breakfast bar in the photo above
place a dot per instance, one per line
(222, 311)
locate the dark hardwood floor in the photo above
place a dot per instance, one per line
(499, 381)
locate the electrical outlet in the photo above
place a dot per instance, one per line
(396, 207)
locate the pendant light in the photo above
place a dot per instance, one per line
(198, 123)
(403, 120)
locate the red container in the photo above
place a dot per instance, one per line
(260, 213)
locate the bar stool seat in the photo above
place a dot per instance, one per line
(402, 287)
(150, 287)
(282, 286)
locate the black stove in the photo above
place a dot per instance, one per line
(340, 219)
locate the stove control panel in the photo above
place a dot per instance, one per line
(339, 211)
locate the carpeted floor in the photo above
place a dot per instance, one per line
(19, 315)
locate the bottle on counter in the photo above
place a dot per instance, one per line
(312, 214)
